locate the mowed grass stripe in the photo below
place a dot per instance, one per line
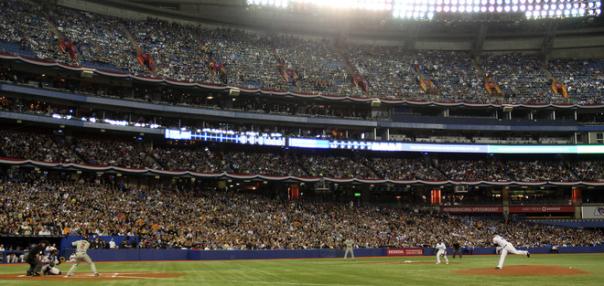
(336, 272)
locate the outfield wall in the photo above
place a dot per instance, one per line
(534, 250)
(179, 254)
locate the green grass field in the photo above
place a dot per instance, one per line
(320, 272)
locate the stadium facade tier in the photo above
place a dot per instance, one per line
(282, 63)
(231, 129)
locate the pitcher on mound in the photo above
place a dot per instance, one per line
(506, 248)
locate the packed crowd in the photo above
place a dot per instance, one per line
(114, 153)
(217, 158)
(168, 215)
(584, 79)
(453, 75)
(27, 26)
(286, 63)
(30, 146)
(520, 77)
(415, 169)
(514, 170)
(204, 160)
(388, 70)
(477, 170)
(589, 170)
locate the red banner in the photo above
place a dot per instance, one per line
(405, 252)
(470, 209)
(542, 209)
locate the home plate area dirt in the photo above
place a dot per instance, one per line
(102, 276)
(524, 270)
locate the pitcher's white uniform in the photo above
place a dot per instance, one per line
(506, 248)
(81, 256)
(441, 250)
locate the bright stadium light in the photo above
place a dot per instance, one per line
(428, 9)
(369, 5)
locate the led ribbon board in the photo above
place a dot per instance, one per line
(245, 138)
(385, 146)
(265, 139)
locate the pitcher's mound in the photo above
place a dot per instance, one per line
(524, 270)
(102, 276)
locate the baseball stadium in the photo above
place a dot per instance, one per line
(301, 142)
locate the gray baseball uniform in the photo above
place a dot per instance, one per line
(349, 248)
(81, 256)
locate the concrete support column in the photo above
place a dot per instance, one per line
(576, 115)
(577, 201)
(505, 203)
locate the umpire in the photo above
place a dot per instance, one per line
(457, 249)
(34, 260)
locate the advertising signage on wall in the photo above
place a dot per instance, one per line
(592, 212)
(405, 252)
(276, 139)
(512, 209)
(542, 209)
(470, 209)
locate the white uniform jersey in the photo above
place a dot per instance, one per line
(441, 246)
(81, 246)
(349, 243)
(500, 241)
